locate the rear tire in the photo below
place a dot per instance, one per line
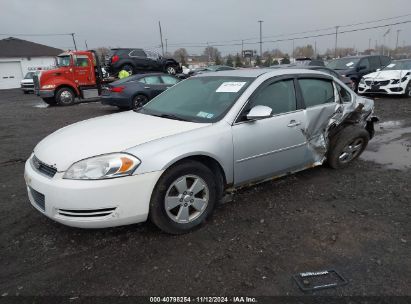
(346, 146)
(129, 68)
(139, 101)
(184, 197)
(65, 96)
(408, 90)
(171, 69)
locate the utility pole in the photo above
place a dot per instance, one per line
(369, 44)
(261, 37)
(85, 42)
(293, 51)
(74, 41)
(315, 49)
(166, 46)
(398, 34)
(242, 48)
(161, 38)
(336, 40)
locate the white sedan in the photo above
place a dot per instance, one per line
(173, 159)
(394, 79)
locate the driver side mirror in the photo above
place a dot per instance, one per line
(361, 67)
(259, 112)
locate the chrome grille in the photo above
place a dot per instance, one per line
(38, 198)
(43, 168)
(379, 83)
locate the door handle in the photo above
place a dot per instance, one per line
(147, 87)
(294, 123)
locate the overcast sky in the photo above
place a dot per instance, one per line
(193, 23)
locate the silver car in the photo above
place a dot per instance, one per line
(173, 159)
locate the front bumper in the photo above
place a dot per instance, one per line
(391, 89)
(88, 203)
(45, 93)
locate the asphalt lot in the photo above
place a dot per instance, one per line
(355, 220)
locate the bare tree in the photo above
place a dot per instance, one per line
(181, 55)
(212, 53)
(102, 52)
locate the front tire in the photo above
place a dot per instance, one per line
(65, 97)
(346, 146)
(184, 197)
(408, 90)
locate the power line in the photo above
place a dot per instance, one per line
(60, 34)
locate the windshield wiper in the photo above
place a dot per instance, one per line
(171, 116)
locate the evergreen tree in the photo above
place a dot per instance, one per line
(229, 61)
(238, 62)
(275, 62)
(258, 61)
(217, 60)
(268, 61)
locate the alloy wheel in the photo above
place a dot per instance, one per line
(352, 150)
(186, 199)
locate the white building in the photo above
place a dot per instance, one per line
(18, 56)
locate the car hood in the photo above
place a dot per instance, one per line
(386, 75)
(345, 72)
(106, 134)
(27, 81)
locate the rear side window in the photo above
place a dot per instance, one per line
(137, 53)
(375, 62)
(169, 80)
(279, 96)
(316, 91)
(152, 80)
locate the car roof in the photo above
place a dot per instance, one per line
(254, 73)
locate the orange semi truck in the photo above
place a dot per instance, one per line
(77, 74)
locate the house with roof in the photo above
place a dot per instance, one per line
(18, 56)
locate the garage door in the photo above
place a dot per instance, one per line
(10, 75)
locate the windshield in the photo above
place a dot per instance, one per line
(63, 61)
(343, 63)
(202, 99)
(29, 75)
(399, 65)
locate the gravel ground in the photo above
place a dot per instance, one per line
(355, 220)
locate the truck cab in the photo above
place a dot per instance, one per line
(77, 74)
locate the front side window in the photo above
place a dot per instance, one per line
(375, 62)
(365, 63)
(343, 63)
(345, 96)
(279, 96)
(199, 99)
(63, 61)
(82, 61)
(316, 91)
(152, 80)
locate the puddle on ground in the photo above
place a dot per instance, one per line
(41, 105)
(391, 146)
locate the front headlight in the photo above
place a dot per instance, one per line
(48, 86)
(103, 167)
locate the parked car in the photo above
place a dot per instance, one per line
(27, 84)
(356, 67)
(135, 91)
(140, 61)
(347, 81)
(211, 68)
(306, 61)
(394, 79)
(172, 159)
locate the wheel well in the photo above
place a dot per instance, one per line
(66, 86)
(139, 93)
(209, 162)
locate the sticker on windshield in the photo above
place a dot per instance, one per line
(230, 87)
(205, 115)
(350, 63)
(391, 65)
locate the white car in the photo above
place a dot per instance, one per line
(172, 159)
(27, 84)
(394, 79)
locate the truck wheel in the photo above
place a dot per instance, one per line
(171, 69)
(346, 146)
(184, 197)
(65, 97)
(128, 68)
(139, 101)
(49, 100)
